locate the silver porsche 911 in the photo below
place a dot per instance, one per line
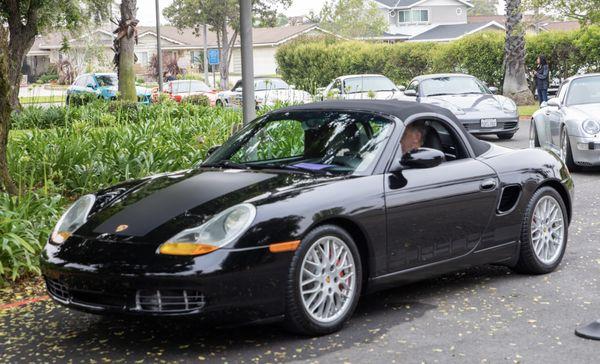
(569, 124)
(475, 105)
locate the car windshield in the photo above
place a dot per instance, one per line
(189, 86)
(308, 141)
(270, 84)
(452, 86)
(107, 80)
(585, 90)
(368, 83)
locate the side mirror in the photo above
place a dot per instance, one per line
(91, 85)
(212, 149)
(422, 158)
(493, 89)
(411, 93)
(401, 87)
(553, 102)
(238, 89)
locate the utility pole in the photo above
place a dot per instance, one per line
(248, 101)
(205, 57)
(158, 49)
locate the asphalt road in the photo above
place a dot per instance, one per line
(482, 315)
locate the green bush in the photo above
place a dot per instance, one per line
(25, 224)
(310, 63)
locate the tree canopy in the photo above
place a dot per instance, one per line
(351, 18)
(483, 7)
(584, 11)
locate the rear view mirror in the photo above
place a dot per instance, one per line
(423, 158)
(411, 93)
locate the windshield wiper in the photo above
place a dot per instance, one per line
(290, 167)
(227, 164)
(469, 93)
(440, 94)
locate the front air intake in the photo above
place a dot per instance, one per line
(169, 301)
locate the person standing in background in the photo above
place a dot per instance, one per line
(542, 78)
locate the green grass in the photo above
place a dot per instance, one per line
(41, 99)
(527, 110)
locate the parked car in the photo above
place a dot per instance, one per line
(569, 124)
(361, 87)
(474, 104)
(103, 86)
(306, 208)
(181, 89)
(553, 87)
(267, 91)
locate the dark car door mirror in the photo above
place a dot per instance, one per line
(411, 93)
(493, 89)
(422, 158)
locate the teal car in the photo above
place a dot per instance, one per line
(103, 86)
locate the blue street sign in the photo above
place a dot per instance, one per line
(213, 56)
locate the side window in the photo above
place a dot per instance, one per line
(433, 134)
(414, 86)
(562, 92)
(337, 85)
(237, 85)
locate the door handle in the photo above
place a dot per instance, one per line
(488, 184)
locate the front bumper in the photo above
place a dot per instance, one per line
(227, 285)
(504, 125)
(586, 151)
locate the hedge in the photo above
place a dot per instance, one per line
(310, 63)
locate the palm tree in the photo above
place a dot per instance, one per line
(124, 44)
(515, 80)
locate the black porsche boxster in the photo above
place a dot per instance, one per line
(305, 209)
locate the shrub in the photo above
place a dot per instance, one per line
(310, 63)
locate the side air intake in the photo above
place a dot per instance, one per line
(509, 198)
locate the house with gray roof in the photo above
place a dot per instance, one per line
(429, 20)
(185, 45)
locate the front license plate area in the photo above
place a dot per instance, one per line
(489, 123)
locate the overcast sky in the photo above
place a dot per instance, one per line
(146, 13)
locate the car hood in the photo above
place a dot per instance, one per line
(158, 207)
(470, 102)
(584, 111)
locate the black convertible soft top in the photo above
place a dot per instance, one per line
(397, 108)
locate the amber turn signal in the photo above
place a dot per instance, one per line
(60, 237)
(288, 246)
(179, 248)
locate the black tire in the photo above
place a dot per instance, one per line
(297, 319)
(569, 155)
(528, 262)
(505, 136)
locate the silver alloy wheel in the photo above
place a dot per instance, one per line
(564, 145)
(328, 279)
(547, 230)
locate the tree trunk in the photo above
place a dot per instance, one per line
(6, 93)
(127, 39)
(515, 80)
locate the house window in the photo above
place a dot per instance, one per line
(413, 16)
(142, 58)
(196, 57)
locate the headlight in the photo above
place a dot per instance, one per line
(217, 232)
(72, 219)
(591, 127)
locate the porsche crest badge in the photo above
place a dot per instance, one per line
(121, 228)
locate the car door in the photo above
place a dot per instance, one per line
(438, 213)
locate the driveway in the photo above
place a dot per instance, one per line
(481, 315)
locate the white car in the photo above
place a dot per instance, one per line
(362, 87)
(569, 124)
(267, 91)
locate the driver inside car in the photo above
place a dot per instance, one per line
(413, 136)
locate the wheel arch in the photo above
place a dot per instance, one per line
(360, 238)
(562, 191)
